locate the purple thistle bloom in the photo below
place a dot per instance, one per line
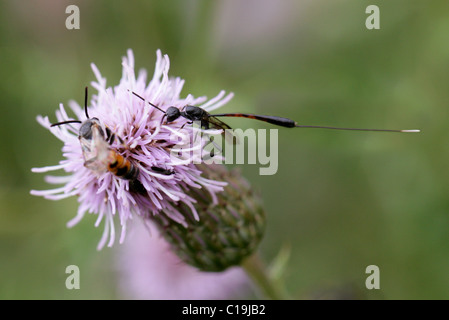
(142, 140)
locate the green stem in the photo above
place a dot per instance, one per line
(255, 268)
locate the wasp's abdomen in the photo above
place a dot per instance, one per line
(123, 168)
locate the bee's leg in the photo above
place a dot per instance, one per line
(111, 140)
(109, 136)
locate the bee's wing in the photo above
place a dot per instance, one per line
(96, 151)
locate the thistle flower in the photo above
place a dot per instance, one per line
(227, 233)
(142, 140)
(148, 269)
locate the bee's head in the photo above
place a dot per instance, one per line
(86, 128)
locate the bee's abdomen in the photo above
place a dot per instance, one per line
(123, 168)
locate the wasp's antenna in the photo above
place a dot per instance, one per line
(85, 103)
(147, 101)
(64, 122)
(356, 129)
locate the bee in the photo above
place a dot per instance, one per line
(96, 141)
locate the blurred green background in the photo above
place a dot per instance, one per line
(341, 200)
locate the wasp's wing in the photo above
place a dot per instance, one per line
(217, 123)
(227, 130)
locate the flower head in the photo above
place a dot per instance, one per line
(148, 269)
(227, 233)
(132, 133)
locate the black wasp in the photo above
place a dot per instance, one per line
(208, 120)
